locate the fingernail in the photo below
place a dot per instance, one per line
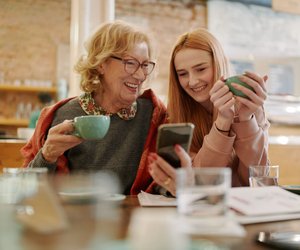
(154, 155)
(178, 148)
(150, 158)
(235, 85)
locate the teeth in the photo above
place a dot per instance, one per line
(199, 88)
(131, 85)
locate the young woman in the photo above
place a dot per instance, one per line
(230, 131)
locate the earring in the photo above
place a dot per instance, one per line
(96, 80)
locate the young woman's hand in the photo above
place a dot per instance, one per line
(59, 140)
(245, 108)
(163, 173)
(223, 101)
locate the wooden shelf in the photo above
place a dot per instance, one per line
(28, 89)
(14, 122)
(25, 94)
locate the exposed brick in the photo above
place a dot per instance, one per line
(31, 30)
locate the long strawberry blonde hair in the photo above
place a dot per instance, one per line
(182, 107)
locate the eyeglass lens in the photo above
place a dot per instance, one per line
(132, 65)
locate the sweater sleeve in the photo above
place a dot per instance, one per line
(40, 162)
(251, 145)
(216, 150)
(33, 147)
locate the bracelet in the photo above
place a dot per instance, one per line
(224, 131)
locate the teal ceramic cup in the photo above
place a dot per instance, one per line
(91, 126)
(235, 79)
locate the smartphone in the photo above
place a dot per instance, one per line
(280, 240)
(171, 134)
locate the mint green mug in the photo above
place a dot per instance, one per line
(91, 126)
(235, 79)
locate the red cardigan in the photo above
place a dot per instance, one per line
(143, 180)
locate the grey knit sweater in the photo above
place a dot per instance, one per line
(119, 151)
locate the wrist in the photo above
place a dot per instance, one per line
(223, 124)
(240, 118)
(222, 130)
(47, 155)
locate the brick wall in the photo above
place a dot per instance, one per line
(30, 32)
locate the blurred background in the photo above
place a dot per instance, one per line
(42, 39)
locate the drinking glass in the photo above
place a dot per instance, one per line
(261, 175)
(202, 193)
(16, 184)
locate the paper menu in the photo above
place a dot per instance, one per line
(246, 200)
(188, 225)
(244, 219)
(256, 205)
(154, 200)
(263, 201)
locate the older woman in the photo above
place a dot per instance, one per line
(118, 62)
(230, 131)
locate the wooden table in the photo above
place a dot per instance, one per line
(84, 230)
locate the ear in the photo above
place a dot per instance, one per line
(101, 69)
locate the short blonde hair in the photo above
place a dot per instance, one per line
(181, 106)
(111, 39)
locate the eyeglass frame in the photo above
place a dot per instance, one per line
(140, 65)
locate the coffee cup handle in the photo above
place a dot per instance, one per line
(74, 132)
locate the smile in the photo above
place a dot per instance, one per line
(198, 89)
(131, 85)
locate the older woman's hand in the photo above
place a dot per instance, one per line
(245, 108)
(163, 173)
(59, 140)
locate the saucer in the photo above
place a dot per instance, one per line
(114, 197)
(292, 188)
(77, 196)
(83, 196)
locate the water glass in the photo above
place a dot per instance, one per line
(261, 175)
(202, 192)
(16, 184)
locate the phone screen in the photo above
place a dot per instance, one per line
(280, 240)
(171, 134)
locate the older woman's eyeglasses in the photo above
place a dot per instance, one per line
(132, 65)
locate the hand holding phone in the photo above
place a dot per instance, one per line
(171, 134)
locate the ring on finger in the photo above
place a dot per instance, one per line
(167, 181)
